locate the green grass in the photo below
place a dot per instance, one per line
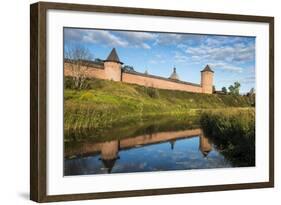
(106, 104)
(233, 133)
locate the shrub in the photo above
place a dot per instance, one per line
(152, 92)
(233, 134)
(87, 96)
(69, 83)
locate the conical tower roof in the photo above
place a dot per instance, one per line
(207, 68)
(109, 164)
(205, 152)
(174, 75)
(113, 56)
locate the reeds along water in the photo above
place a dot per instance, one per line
(233, 133)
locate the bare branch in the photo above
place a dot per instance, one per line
(79, 59)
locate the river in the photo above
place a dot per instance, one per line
(155, 146)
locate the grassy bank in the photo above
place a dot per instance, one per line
(233, 133)
(106, 104)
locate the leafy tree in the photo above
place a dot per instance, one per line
(128, 67)
(252, 91)
(252, 96)
(234, 89)
(98, 60)
(224, 90)
(214, 89)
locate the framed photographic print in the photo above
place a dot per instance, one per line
(134, 102)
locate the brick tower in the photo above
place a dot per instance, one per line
(112, 66)
(207, 80)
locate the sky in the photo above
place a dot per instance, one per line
(232, 58)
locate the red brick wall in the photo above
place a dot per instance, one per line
(90, 71)
(100, 73)
(159, 83)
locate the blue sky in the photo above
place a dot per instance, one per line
(231, 57)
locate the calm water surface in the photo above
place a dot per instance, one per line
(180, 149)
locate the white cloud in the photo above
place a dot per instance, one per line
(73, 34)
(226, 67)
(225, 53)
(212, 42)
(248, 80)
(158, 59)
(181, 58)
(167, 38)
(137, 36)
(155, 61)
(182, 46)
(232, 51)
(145, 46)
(118, 38)
(138, 39)
(221, 52)
(106, 37)
(179, 40)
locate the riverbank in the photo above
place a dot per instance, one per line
(105, 104)
(233, 134)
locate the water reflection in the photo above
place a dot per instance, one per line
(167, 150)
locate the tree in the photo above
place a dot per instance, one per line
(128, 67)
(234, 89)
(214, 89)
(252, 91)
(252, 96)
(79, 59)
(98, 60)
(224, 90)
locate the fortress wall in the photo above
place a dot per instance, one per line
(100, 73)
(91, 72)
(159, 83)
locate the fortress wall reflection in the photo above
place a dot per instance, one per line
(158, 137)
(109, 150)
